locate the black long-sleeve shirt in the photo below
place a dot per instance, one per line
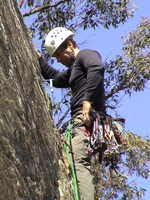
(85, 78)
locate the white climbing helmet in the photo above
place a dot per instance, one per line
(55, 38)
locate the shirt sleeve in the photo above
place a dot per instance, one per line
(91, 61)
(60, 79)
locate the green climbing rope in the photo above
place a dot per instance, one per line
(67, 138)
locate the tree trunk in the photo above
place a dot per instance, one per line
(29, 142)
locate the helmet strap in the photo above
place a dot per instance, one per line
(70, 54)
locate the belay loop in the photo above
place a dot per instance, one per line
(106, 137)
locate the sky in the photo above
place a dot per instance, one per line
(134, 109)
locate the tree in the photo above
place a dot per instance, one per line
(31, 164)
(130, 71)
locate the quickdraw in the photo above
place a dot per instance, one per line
(107, 137)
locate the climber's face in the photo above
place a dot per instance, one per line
(63, 55)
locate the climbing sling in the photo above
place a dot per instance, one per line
(106, 137)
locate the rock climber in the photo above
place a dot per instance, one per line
(85, 76)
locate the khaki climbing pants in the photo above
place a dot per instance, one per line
(81, 162)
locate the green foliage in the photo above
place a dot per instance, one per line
(30, 3)
(122, 183)
(114, 12)
(130, 71)
(74, 14)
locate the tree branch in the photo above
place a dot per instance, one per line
(63, 128)
(131, 81)
(63, 117)
(127, 175)
(36, 9)
(20, 3)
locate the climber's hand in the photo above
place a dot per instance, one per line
(86, 112)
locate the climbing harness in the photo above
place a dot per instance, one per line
(68, 149)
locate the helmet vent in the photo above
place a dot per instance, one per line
(52, 42)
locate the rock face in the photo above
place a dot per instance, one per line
(29, 143)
